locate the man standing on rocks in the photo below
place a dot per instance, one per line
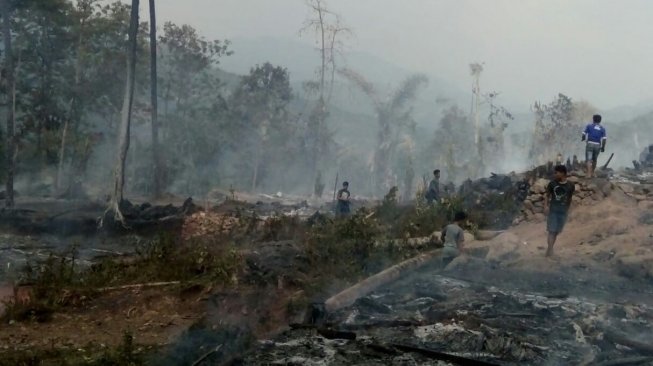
(433, 192)
(596, 137)
(559, 194)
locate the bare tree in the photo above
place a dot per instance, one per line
(394, 116)
(155, 105)
(475, 70)
(11, 105)
(328, 29)
(125, 123)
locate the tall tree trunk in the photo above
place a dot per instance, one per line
(11, 88)
(125, 123)
(155, 104)
(71, 106)
(321, 107)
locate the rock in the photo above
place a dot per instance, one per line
(540, 186)
(646, 218)
(645, 205)
(647, 188)
(598, 195)
(573, 179)
(480, 252)
(537, 198)
(592, 187)
(627, 188)
(622, 198)
(607, 189)
(638, 197)
(469, 237)
(528, 205)
(602, 184)
(639, 190)
(602, 174)
(539, 217)
(483, 235)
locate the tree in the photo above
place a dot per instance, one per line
(327, 27)
(394, 116)
(451, 143)
(475, 70)
(156, 158)
(193, 125)
(557, 127)
(259, 107)
(493, 140)
(84, 12)
(123, 138)
(11, 105)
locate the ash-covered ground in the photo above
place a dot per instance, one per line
(476, 313)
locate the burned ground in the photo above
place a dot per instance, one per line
(237, 279)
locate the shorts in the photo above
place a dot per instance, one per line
(448, 254)
(556, 222)
(592, 152)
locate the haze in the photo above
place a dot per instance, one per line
(597, 50)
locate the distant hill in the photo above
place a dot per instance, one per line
(629, 112)
(302, 61)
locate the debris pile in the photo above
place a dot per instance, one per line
(588, 192)
(280, 263)
(427, 319)
(645, 162)
(207, 225)
(496, 200)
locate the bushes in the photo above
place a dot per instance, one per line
(343, 247)
(60, 281)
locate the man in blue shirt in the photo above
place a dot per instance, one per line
(596, 138)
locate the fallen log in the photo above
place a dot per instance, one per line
(326, 331)
(608, 162)
(382, 324)
(330, 333)
(139, 286)
(627, 361)
(458, 360)
(363, 288)
(488, 234)
(206, 355)
(617, 337)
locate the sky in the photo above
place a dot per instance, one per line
(594, 50)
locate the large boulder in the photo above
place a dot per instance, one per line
(540, 186)
(627, 188)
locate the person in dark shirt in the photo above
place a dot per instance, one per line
(342, 208)
(433, 192)
(559, 194)
(596, 137)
